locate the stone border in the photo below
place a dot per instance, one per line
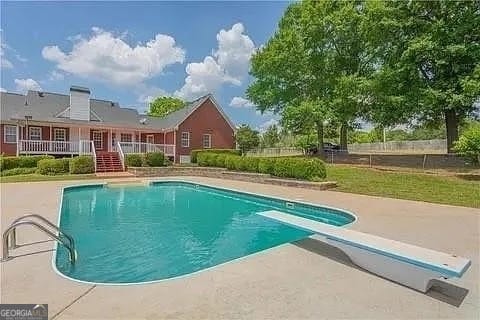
(227, 174)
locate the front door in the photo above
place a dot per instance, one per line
(97, 137)
(150, 139)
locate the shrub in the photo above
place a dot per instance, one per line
(220, 160)
(282, 168)
(468, 145)
(154, 159)
(207, 159)
(240, 164)
(250, 164)
(266, 165)
(300, 168)
(17, 171)
(7, 163)
(230, 162)
(194, 153)
(53, 166)
(82, 164)
(133, 160)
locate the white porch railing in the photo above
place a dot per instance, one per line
(54, 147)
(143, 147)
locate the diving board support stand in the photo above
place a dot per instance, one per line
(409, 265)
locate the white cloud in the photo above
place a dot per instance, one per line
(4, 62)
(55, 75)
(229, 64)
(264, 126)
(239, 102)
(24, 85)
(107, 57)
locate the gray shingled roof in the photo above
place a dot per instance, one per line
(46, 107)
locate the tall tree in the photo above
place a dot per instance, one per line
(431, 62)
(336, 37)
(284, 79)
(162, 106)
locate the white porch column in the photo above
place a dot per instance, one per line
(18, 141)
(174, 145)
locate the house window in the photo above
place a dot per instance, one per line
(10, 134)
(207, 141)
(34, 133)
(59, 134)
(125, 137)
(185, 139)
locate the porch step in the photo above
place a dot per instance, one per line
(108, 162)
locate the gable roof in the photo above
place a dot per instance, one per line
(54, 107)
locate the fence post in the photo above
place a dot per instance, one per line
(424, 160)
(370, 159)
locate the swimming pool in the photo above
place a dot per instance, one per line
(137, 234)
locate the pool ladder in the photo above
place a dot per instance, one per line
(9, 238)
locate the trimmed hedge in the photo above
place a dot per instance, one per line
(17, 171)
(194, 153)
(53, 166)
(150, 159)
(82, 164)
(7, 163)
(154, 159)
(266, 165)
(284, 167)
(134, 160)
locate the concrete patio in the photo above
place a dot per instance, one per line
(296, 281)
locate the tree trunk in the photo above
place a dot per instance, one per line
(451, 123)
(320, 150)
(343, 137)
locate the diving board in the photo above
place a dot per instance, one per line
(404, 263)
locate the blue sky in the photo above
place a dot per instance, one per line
(132, 51)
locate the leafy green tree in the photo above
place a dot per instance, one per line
(284, 79)
(469, 143)
(162, 106)
(247, 138)
(429, 67)
(271, 136)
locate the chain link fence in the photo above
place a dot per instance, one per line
(435, 146)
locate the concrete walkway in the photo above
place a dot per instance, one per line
(296, 281)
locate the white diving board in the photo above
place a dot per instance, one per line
(404, 263)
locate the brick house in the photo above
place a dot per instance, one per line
(75, 124)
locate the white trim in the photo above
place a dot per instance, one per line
(55, 130)
(101, 138)
(182, 139)
(148, 136)
(215, 103)
(5, 133)
(209, 140)
(30, 132)
(63, 115)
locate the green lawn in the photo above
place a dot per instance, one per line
(412, 186)
(39, 177)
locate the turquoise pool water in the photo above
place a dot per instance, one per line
(145, 233)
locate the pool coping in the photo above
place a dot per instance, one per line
(149, 182)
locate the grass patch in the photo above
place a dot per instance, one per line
(411, 186)
(40, 177)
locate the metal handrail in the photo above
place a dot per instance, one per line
(13, 237)
(94, 153)
(122, 155)
(6, 235)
